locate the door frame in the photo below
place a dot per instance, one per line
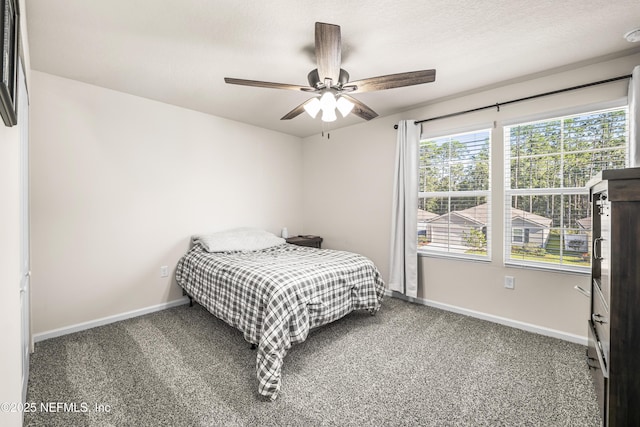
(25, 258)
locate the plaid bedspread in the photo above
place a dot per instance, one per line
(276, 295)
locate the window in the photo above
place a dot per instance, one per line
(454, 195)
(520, 235)
(547, 166)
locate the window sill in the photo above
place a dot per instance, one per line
(578, 271)
(454, 257)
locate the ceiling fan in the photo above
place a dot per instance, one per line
(331, 83)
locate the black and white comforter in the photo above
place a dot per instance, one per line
(276, 295)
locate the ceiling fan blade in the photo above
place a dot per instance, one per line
(296, 111)
(328, 51)
(393, 80)
(360, 109)
(269, 85)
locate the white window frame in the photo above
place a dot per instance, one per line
(455, 194)
(563, 191)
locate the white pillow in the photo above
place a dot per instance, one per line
(238, 239)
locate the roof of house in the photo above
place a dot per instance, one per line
(530, 217)
(424, 216)
(480, 215)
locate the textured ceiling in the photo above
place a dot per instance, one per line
(178, 52)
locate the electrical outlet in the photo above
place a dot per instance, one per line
(509, 282)
(164, 271)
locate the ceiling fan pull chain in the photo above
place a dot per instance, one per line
(326, 125)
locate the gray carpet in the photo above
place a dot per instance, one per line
(408, 365)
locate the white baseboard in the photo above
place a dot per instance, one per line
(106, 320)
(577, 339)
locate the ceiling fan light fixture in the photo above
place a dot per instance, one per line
(327, 101)
(312, 107)
(329, 115)
(344, 106)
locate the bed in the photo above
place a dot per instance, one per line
(275, 292)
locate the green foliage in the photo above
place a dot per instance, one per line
(475, 239)
(451, 165)
(536, 250)
(550, 258)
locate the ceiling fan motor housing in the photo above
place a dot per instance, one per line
(314, 79)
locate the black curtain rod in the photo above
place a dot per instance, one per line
(527, 98)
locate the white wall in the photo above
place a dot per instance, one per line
(119, 183)
(348, 188)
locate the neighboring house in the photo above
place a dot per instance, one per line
(529, 228)
(423, 218)
(452, 229)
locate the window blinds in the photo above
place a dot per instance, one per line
(454, 195)
(547, 166)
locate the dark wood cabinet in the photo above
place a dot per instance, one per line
(311, 241)
(613, 352)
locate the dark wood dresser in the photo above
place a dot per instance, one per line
(311, 241)
(613, 353)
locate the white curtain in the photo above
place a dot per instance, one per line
(634, 118)
(403, 271)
